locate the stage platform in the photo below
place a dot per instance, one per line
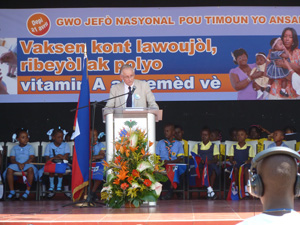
(178, 212)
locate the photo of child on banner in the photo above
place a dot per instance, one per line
(174, 171)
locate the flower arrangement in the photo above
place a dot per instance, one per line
(134, 174)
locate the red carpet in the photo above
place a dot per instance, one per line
(178, 212)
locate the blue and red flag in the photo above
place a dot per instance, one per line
(197, 160)
(97, 170)
(51, 167)
(174, 171)
(241, 182)
(205, 175)
(25, 179)
(233, 191)
(80, 167)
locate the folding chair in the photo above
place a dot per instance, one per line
(254, 145)
(267, 143)
(42, 160)
(291, 144)
(9, 146)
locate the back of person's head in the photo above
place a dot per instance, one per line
(274, 172)
(278, 173)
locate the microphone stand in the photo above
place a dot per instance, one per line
(88, 202)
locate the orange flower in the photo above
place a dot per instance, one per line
(156, 167)
(133, 149)
(150, 143)
(130, 179)
(118, 159)
(147, 182)
(116, 181)
(122, 174)
(135, 173)
(143, 151)
(124, 186)
(118, 146)
(122, 149)
(105, 163)
(123, 166)
(127, 152)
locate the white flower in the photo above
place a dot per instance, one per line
(157, 187)
(107, 189)
(143, 165)
(151, 177)
(135, 185)
(133, 140)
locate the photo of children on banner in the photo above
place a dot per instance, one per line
(205, 155)
(56, 157)
(21, 155)
(277, 52)
(240, 156)
(171, 151)
(260, 84)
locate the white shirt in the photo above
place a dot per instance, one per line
(291, 218)
(126, 90)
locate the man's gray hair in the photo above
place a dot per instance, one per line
(126, 66)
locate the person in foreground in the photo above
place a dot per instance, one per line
(276, 183)
(139, 92)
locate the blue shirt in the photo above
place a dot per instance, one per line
(63, 149)
(22, 153)
(176, 150)
(274, 145)
(98, 147)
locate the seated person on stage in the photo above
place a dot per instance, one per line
(171, 151)
(206, 149)
(239, 154)
(98, 155)
(178, 136)
(56, 150)
(233, 134)
(278, 136)
(21, 156)
(142, 96)
(216, 135)
(255, 133)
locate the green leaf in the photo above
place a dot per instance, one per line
(109, 178)
(160, 177)
(149, 197)
(136, 203)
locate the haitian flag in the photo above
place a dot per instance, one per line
(205, 175)
(51, 167)
(174, 171)
(197, 160)
(97, 170)
(241, 182)
(233, 192)
(25, 179)
(80, 167)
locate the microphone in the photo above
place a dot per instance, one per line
(133, 89)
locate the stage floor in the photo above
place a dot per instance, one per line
(166, 212)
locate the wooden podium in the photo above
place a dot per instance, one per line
(114, 118)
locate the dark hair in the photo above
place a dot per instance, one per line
(239, 52)
(293, 129)
(242, 129)
(205, 129)
(56, 130)
(218, 133)
(281, 131)
(258, 130)
(272, 41)
(21, 130)
(294, 35)
(178, 126)
(169, 125)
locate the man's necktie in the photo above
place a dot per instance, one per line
(129, 99)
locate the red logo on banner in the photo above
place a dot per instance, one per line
(38, 24)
